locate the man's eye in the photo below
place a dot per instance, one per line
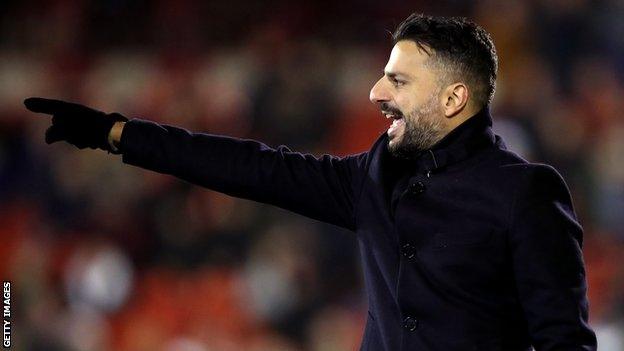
(398, 83)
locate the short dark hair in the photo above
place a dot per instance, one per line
(461, 49)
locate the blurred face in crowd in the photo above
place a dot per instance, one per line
(412, 97)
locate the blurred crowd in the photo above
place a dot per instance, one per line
(106, 256)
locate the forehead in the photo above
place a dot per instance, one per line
(407, 57)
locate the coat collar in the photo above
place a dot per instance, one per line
(470, 136)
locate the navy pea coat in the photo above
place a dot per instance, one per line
(467, 247)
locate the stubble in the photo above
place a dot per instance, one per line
(424, 127)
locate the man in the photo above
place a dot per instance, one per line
(465, 245)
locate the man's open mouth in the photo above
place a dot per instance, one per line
(397, 123)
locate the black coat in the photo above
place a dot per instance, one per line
(470, 247)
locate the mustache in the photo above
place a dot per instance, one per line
(387, 109)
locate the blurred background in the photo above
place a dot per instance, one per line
(106, 256)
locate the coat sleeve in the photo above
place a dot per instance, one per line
(324, 188)
(546, 242)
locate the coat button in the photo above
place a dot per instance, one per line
(410, 323)
(417, 188)
(408, 251)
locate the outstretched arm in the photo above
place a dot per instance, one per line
(324, 188)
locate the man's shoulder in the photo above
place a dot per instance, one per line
(514, 164)
(529, 177)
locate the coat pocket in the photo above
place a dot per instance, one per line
(462, 239)
(469, 260)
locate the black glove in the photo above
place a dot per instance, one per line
(79, 125)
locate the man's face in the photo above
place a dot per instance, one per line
(409, 95)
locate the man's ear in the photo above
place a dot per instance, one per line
(455, 98)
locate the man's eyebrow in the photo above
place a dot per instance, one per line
(391, 74)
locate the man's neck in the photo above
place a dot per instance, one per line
(459, 118)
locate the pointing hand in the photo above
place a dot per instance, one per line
(76, 124)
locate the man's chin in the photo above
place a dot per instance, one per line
(395, 145)
(398, 149)
(394, 142)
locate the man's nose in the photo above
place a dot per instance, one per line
(379, 93)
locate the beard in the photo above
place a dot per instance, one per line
(424, 127)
